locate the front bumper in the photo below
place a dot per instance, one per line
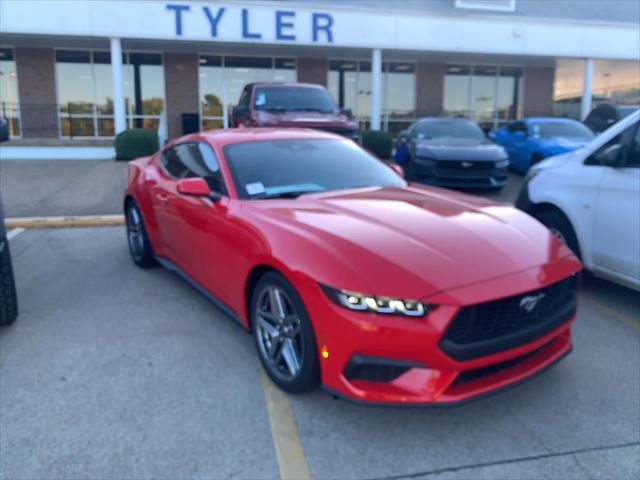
(450, 174)
(409, 367)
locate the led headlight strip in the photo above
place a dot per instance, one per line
(377, 304)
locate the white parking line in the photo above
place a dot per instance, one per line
(14, 233)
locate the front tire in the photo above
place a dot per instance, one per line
(560, 226)
(137, 238)
(283, 335)
(8, 296)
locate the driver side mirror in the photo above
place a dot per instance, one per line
(347, 113)
(239, 111)
(519, 135)
(612, 155)
(196, 187)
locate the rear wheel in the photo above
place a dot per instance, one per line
(284, 336)
(8, 297)
(560, 226)
(139, 245)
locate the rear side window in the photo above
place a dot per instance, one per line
(194, 159)
(633, 153)
(517, 127)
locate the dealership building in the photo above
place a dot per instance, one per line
(73, 74)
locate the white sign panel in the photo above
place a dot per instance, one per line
(289, 23)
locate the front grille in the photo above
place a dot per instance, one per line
(491, 327)
(481, 372)
(456, 166)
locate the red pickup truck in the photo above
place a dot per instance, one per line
(297, 105)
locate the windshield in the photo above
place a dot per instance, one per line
(294, 99)
(291, 167)
(560, 129)
(439, 129)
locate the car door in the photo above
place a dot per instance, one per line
(163, 191)
(203, 237)
(516, 138)
(617, 216)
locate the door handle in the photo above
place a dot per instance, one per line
(162, 198)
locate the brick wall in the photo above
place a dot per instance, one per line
(181, 89)
(429, 89)
(538, 91)
(313, 70)
(36, 88)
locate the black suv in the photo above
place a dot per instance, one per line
(606, 114)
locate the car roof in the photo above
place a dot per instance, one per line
(229, 136)
(439, 119)
(549, 119)
(285, 84)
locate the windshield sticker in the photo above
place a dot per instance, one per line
(261, 99)
(254, 188)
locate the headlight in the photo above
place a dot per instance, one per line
(377, 304)
(502, 163)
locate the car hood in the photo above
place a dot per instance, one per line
(305, 119)
(414, 241)
(459, 149)
(562, 144)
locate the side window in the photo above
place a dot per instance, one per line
(633, 153)
(199, 160)
(244, 98)
(622, 144)
(172, 162)
(517, 127)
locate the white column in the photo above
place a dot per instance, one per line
(119, 116)
(586, 88)
(376, 88)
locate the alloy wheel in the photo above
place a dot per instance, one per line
(135, 233)
(279, 333)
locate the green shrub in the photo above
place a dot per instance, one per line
(134, 143)
(379, 143)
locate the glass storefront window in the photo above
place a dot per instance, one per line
(488, 94)
(222, 80)
(616, 81)
(9, 101)
(84, 88)
(349, 82)
(144, 89)
(567, 88)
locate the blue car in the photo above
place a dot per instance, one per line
(530, 140)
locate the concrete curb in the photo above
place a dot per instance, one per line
(64, 222)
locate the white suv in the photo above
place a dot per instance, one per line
(590, 198)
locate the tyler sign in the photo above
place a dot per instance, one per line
(283, 25)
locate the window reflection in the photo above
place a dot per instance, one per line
(84, 89)
(488, 94)
(349, 82)
(616, 81)
(9, 102)
(222, 80)
(567, 88)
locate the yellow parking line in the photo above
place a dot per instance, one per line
(67, 221)
(606, 309)
(291, 460)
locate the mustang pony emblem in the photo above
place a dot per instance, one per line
(530, 302)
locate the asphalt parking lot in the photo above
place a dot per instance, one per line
(113, 372)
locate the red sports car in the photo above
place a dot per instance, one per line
(347, 276)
